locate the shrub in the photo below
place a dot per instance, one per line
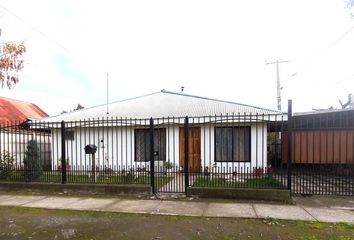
(259, 171)
(169, 165)
(6, 163)
(32, 162)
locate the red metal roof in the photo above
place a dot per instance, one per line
(12, 110)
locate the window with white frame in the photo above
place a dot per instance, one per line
(233, 144)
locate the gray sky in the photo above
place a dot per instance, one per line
(214, 48)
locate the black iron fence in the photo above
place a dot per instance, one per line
(322, 150)
(173, 153)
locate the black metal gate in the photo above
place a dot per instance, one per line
(167, 174)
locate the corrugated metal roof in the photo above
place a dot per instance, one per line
(12, 110)
(325, 111)
(163, 104)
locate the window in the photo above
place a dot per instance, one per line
(233, 144)
(142, 144)
(69, 135)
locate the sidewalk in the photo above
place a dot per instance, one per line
(186, 208)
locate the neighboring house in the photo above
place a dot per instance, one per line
(322, 138)
(15, 112)
(13, 132)
(221, 133)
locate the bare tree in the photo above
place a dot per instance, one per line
(349, 103)
(350, 6)
(78, 107)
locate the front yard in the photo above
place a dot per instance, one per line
(72, 177)
(256, 182)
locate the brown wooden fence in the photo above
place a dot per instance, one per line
(320, 147)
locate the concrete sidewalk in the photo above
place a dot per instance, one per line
(185, 208)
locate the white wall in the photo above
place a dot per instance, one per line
(15, 143)
(117, 149)
(258, 150)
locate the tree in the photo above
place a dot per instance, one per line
(349, 103)
(78, 107)
(33, 166)
(6, 163)
(350, 6)
(10, 62)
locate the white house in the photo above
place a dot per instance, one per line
(224, 135)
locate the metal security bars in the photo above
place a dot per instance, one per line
(233, 151)
(322, 151)
(173, 153)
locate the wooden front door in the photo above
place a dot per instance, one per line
(194, 148)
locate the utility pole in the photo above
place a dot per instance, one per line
(277, 62)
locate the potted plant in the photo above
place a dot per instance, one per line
(206, 171)
(259, 171)
(270, 170)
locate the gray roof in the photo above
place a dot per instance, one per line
(324, 111)
(162, 104)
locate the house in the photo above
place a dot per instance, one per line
(222, 136)
(16, 111)
(14, 114)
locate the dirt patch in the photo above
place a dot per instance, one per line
(29, 223)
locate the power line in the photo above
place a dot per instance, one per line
(55, 42)
(332, 44)
(37, 30)
(343, 80)
(2, 13)
(338, 39)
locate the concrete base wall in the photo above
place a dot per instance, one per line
(79, 188)
(239, 193)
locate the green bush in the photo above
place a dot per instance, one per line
(169, 165)
(33, 166)
(6, 163)
(130, 177)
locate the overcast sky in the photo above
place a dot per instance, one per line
(214, 49)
